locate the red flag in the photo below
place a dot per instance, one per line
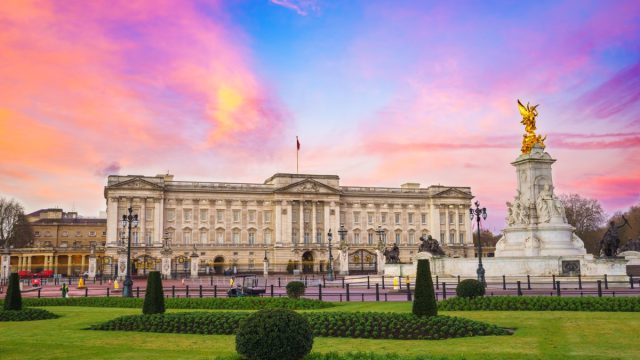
(297, 143)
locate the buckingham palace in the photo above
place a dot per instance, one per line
(281, 224)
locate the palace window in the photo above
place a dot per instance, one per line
(64, 244)
(65, 233)
(204, 215)
(307, 237)
(423, 218)
(452, 237)
(78, 234)
(267, 217)
(134, 239)
(37, 233)
(148, 214)
(356, 237)
(220, 237)
(148, 237)
(412, 238)
(267, 237)
(104, 233)
(343, 217)
(187, 215)
(236, 216)
(307, 215)
(220, 216)
(461, 237)
(460, 218)
(252, 216)
(252, 237)
(398, 237)
(370, 238)
(442, 237)
(443, 218)
(356, 217)
(370, 218)
(251, 264)
(92, 233)
(171, 214)
(294, 236)
(319, 237)
(410, 216)
(203, 236)
(397, 218)
(186, 237)
(236, 237)
(383, 217)
(452, 218)
(47, 233)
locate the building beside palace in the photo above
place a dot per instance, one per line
(62, 242)
(285, 220)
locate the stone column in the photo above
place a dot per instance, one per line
(81, 264)
(112, 221)
(69, 261)
(92, 265)
(313, 222)
(288, 220)
(5, 264)
(158, 222)
(29, 263)
(300, 223)
(122, 264)
(277, 217)
(166, 263)
(55, 264)
(195, 262)
(142, 229)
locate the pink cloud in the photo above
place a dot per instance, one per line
(302, 7)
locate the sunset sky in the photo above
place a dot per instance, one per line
(379, 92)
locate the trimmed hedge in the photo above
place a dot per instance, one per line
(370, 325)
(357, 356)
(154, 297)
(543, 303)
(424, 301)
(470, 288)
(243, 303)
(26, 315)
(295, 289)
(13, 298)
(274, 334)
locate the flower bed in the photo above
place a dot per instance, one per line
(244, 303)
(329, 324)
(26, 315)
(542, 303)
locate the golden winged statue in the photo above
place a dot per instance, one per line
(529, 114)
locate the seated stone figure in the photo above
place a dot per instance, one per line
(430, 245)
(392, 256)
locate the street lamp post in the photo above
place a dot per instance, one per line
(382, 243)
(343, 233)
(330, 267)
(478, 212)
(129, 221)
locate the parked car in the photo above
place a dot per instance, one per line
(25, 274)
(44, 274)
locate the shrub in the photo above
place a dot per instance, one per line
(295, 289)
(13, 298)
(369, 325)
(470, 288)
(243, 303)
(274, 335)
(26, 315)
(424, 302)
(542, 303)
(154, 297)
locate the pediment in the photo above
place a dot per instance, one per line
(453, 193)
(136, 183)
(308, 186)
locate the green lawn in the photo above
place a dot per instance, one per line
(578, 335)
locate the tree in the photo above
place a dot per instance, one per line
(487, 237)
(154, 296)
(13, 299)
(632, 231)
(424, 303)
(15, 230)
(587, 216)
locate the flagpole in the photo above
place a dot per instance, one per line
(297, 151)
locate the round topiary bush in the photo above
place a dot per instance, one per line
(274, 334)
(295, 289)
(470, 288)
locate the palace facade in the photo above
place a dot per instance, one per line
(285, 220)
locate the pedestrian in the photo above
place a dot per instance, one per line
(65, 290)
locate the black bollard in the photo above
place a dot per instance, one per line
(458, 279)
(215, 290)
(173, 291)
(86, 292)
(599, 288)
(528, 282)
(400, 282)
(383, 281)
(368, 282)
(279, 282)
(519, 289)
(347, 292)
(324, 281)
(39, 293)
(320, 292)
(107, 292)
(553, 281)
(200, 291)
(211, 279)
(606, 282)
(558, 288)
(631, 281)
(377, 292)
(343, 282)
(186, 294)
(504, 282)
(579, 281)
(444, 291)
(437, 283)
(408, 291)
